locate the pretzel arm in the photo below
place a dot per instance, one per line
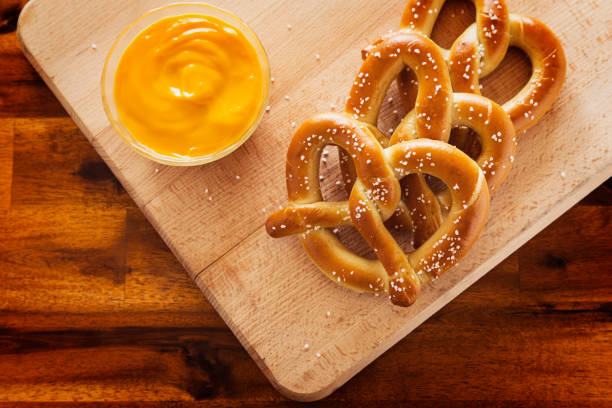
(347, 168)
(548, 68)
(548, 71)
(404, 285)
(423, 207)
(495, 131)
(343, 266)
(401, 219)
(384, 63)
(302, 218)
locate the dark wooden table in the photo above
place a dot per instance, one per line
(94, 307)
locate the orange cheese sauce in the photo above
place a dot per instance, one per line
(189, 86)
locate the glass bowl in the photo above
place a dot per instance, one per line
(125, 39)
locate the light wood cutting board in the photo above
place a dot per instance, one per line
(268, 291)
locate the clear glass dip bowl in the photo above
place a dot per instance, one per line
(131, 32)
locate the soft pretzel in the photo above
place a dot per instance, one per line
(481, 48)
(441, 98)
(437, 110)
(374, 197)
(376, 193)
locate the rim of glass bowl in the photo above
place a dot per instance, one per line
(132, 31)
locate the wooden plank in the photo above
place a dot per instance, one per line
(268, 291)
(20, 91)
(6, 163)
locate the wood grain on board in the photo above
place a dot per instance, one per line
(267, 291)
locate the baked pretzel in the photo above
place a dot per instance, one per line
(373, 163)
(376, 193)
(482, 47)
(374, 197)
(437, 110)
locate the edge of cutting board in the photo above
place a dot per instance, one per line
(563, 205)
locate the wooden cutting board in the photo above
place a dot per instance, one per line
(268, 291)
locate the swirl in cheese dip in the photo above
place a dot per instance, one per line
(189, 86)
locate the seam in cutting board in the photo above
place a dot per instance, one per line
(228, 251)
(576, 188)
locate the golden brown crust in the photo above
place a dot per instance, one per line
(489, 33)
(481, 48)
